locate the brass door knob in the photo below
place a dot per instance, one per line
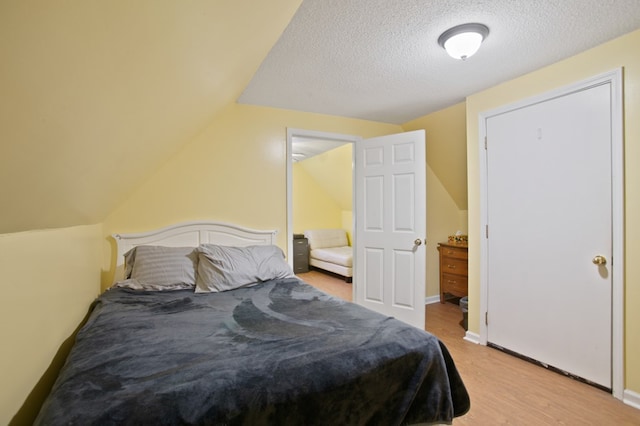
(599, 260)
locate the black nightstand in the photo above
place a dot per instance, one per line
(300, 255)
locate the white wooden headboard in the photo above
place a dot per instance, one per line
(191, 234)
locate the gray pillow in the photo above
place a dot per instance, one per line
(222, 268)
(160, 268)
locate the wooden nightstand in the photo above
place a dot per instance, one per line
(300, 255)
(453, 270)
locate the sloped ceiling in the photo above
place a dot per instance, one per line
(95, 95)
(332, 171)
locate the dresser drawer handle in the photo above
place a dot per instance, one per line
(449, 252)
(451, 266)
(452, 282)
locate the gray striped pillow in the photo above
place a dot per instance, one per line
(162, 268)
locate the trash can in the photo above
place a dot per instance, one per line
(464, 307)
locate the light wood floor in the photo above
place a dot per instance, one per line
(503, 388)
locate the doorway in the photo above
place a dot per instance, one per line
(315, 155)
(388, 220)
(551, 256)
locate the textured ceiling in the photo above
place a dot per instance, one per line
(380, 59)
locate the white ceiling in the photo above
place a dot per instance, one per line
(380, 60)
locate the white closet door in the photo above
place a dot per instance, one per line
(549, 209)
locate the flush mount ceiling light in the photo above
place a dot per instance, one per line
(298, 156)
(464, 40)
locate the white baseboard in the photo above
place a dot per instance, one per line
(431, 299)
(472, 337)
(631, 398)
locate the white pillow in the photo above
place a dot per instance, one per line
(160, 268)
(222, 268)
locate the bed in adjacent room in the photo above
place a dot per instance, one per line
(208, 325)
(329, 250)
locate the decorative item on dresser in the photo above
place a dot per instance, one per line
(453, 269)
(300, 254)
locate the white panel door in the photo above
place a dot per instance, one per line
(391, 225)
(549, 210)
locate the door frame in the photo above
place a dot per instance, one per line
(614, 78)
(320, 136)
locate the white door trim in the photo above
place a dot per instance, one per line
(614, 78)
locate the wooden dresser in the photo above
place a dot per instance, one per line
(453, 270)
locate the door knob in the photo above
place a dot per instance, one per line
(417, 242)
(599, 260)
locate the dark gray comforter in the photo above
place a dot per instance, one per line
(278, 353)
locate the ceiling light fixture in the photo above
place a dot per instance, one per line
(464, 40)
(298, 156)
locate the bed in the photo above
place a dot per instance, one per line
(275, 351)
(329, 250)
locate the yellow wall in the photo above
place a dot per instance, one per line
(442, 221)
(96, 95)
(234, 171)
(347, 224)
(329, 178)
(622, 52)
(446, 148)
(313, 208)
(333, 170)
(447, 161)
(49, 279)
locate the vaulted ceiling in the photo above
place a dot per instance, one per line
(96, 95)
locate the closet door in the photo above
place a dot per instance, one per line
(549, 210)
